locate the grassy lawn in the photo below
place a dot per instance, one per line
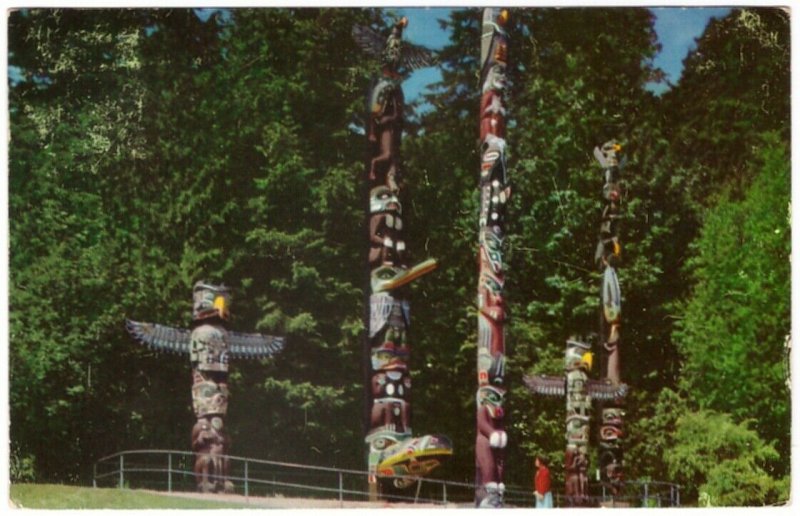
(48, 496)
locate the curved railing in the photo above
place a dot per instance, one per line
(172, 471)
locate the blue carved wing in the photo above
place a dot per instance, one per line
(253, 345)
(160, 337)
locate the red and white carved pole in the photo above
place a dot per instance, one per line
(491, 438)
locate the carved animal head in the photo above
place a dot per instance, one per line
(210, 301)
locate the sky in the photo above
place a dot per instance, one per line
(676, 28)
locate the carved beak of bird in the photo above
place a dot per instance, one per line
(617, 147)
(403, 23)
(586, 361)
(502, 19)
(219, 304)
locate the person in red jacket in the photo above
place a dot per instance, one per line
(541, 485)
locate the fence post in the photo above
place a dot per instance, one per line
(169, 472)
(121, 469)
(246, 486)
(644, 501)
(94, 475)
(444, 493)
(341, 494)
(677, 496)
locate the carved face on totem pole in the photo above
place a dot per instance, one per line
(578, 355)
(491, 399)
(210, 301)
(607, 154)
(387, 246)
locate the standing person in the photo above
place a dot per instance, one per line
(541, 485)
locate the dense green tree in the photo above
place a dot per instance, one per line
(735, 86)
(714, 459)
(711, 454)
(180, 158)
(75, 141)
(736, 322)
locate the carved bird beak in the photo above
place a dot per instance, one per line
(502, 18)
(219, 304)
(586, 360)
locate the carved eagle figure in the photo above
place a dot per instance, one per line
(394, 53)
(557, 386)
(178, 340)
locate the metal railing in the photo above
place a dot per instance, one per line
(173, 471)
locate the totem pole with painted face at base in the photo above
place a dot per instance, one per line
(209, 345)
(491, 438)
(395, 458)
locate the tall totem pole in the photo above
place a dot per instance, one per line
(395, 457)
(210, 346)
(580, 391)
(607, 258)
(491, 438)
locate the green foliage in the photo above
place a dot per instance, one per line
(149, 150)
(651, 428)
(736, 323)
(716, 460)
(734, 87)
(711, 454)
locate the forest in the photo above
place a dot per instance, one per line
(150, 149)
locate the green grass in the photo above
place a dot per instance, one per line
(49, 496)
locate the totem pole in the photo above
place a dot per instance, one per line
(579, 390)
(209, 345)
(607, 258)
(491, 438)
(395, 457)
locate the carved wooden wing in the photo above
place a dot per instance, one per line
(416, 56)
(160, 337)
(370, 41)
(546, 385)
(605, 390)
(253, 345)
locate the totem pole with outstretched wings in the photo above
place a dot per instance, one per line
(210, 346)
